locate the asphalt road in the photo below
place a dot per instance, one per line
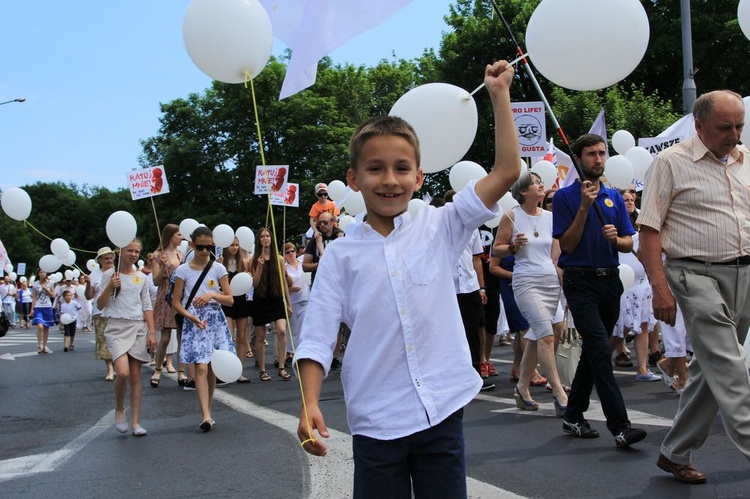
(57, 439)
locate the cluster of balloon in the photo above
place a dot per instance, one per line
(229, 40)
(16, 203)
(445, 120)
(632, 163)
(226, 365)
(618, 26)
(463, 172)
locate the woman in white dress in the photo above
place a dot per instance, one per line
(130, 333)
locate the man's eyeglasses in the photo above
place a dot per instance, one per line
(323, 222)
(322, 194)
(205, 247)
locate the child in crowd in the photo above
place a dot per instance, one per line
(205, 327)
(70, 307)
(408, 370)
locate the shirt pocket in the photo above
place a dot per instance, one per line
(421, 263)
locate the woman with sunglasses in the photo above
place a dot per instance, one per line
(205, 327)
(526, 232)
(270, 284)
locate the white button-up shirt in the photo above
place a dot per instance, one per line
(465, 279)
(407, 365)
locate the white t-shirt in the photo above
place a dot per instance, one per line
(8, 292)
(210, 282)
(71, 308)
(95, 278)
(43, 300)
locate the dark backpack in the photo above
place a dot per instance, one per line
(4, 324)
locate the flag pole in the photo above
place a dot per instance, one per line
(560, 132)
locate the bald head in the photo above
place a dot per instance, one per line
(719, 120)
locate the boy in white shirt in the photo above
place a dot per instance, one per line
(408, 372)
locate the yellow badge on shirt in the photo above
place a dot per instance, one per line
(609, 203)
(211, 283)
(136, 280)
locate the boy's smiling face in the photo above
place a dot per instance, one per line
(387, 175)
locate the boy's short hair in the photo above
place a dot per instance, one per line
(382, 125)
(586, 140)
(66, 292)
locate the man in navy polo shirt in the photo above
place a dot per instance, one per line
(592, 286)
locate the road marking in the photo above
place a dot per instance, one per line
(41, 463)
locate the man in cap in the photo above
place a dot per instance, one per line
(105, 257)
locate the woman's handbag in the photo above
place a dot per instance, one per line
(568, 352)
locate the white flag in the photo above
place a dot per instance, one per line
(599, 128)
(684, 128)
(314, 28)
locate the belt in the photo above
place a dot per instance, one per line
(742, 261)
(592, 272)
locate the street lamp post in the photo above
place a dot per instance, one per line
(14, 100)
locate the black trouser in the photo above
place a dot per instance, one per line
(470, 305)
(594, 302)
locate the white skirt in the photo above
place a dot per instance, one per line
(124, 336)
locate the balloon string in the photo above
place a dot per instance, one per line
(289, 335)
(511, 63)
(26, 222)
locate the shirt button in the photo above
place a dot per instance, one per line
(394, 274)
(402, 311)
(410, 349)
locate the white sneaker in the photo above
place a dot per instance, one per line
(47, 350)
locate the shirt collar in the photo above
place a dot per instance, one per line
(700, 151)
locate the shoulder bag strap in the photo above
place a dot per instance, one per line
(198, 283)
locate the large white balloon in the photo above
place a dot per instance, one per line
(415, 206)
(223, 235)
(66, 319)
(68, 274)
(8, 268)
(76, 273)
(745, 136)
(627, 276)
(622, 141)
(462, 172)
(355, 203)
(344, 221)
(507, 202)
(70, 258)
(336, 190)
(226, 366)
(59, 248)
(619, 171)
(743, 16)
(187, 227)
(91, 265)
(241, 283)
(494, 222)
(16, 203)
(246, 238)
(13, 276)
(121, 228)
(641, 160)
(547, 171)
(228, 39)
(81, 291)
(49, 263)
(616, 35)
(445, 119)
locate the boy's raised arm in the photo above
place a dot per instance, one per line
(497, 79)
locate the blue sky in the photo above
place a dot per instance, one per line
(94, 73)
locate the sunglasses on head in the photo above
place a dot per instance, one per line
(205, 247)
(322, 194)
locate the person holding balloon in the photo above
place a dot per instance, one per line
(234, 259)
(130, 333)
(43, 317)
(69, 310)
(105, 258)
(201, 287)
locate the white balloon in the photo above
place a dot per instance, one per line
(13, 276)
(641, 160)
(56, 277)
(23, 279)
(307, 277)
(627, 276)
(241, 284)
(355, 203)
(59, 248)
(16, 203)
(415, 206)
(140, 264)
(494, 222)
(546, 170)
(619, 171)
(623, 141)
(66, 318)
(49, 263)
(445, 119)
(223, 235)
(187, 227)
(228, 39)
(70, 258)
(745, 136)
(507, 202)
(68, 274)
(344, 221)
(121, 228)
(76, 273)
(462, 172)
(616, 37)
(81, 291)
(743, 16)
(31, 281)
(183, 247)
(226, 366)
(91, 265)
(336, 190)
(246, 238)
(8, 268)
